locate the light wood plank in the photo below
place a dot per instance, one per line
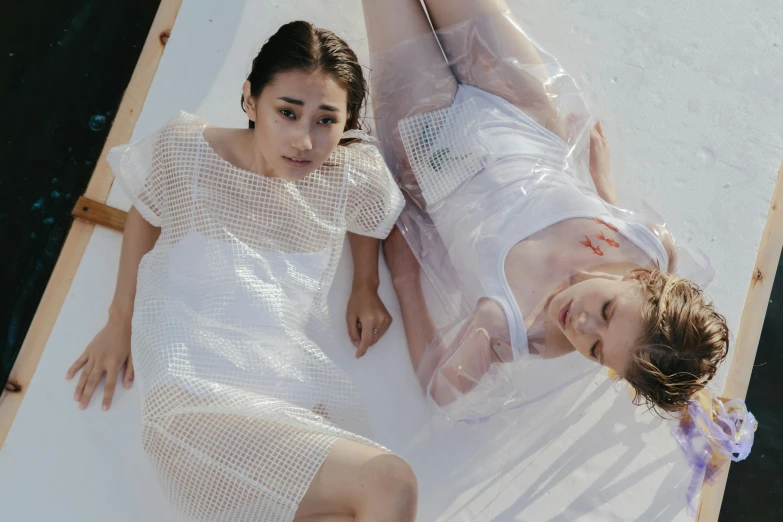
(749, 332)
(133, 99)
(42, 324)
(80, 233)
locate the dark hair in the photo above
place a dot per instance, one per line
(301, 46)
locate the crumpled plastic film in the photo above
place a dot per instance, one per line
(493, 172)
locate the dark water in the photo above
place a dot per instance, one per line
(63, 68)
(64, 65)
(755, 487)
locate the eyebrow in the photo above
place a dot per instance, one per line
(300, 103)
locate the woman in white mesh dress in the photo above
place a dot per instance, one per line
(229, 251)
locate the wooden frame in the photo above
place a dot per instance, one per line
(81, 231)
(749, 332)
(97, 212)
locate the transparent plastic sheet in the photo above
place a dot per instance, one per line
(503, 214)
(240, 404)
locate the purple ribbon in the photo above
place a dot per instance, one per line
(728, 434)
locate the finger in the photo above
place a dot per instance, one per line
(76, 366)
(77, 394)
(383, 328)
(367, 337)
(129, 373)
(108, 388)
(89, 387)
(381, 325)
(599, 128)
(353, 329)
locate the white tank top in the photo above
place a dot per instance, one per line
(525, 188)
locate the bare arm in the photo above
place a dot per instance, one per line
(110, 348)
(459, 363)
(138, 239)
(366, 315)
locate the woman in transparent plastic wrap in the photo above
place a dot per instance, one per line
(229, 252)
(514, 224)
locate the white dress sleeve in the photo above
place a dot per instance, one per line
(146, 169)
(373, 199)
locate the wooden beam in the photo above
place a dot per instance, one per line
(80, 233)
(749, 332)
(133, 99)
(99, 214)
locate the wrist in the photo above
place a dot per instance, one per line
(407, 282)
(121, 313)
(365, 284)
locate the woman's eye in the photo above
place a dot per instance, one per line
(603, 309)
(287, 113)
(327, 121)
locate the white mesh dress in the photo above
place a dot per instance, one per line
(240, 405)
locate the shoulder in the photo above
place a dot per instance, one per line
(667, 240)
(362, 157)
(182, 126)
(178, 137)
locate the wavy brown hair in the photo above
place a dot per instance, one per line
(684, 342)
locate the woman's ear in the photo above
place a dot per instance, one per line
(250, 101)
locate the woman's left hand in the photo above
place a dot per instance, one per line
(367, 318)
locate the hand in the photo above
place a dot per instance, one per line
(400, 259)
(599, 164)
(107, 352)
(367, 318)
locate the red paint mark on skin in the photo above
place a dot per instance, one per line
(609, 240)
(589, 244)
(607, 225)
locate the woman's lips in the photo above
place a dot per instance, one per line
(297, 162)
(563, 316)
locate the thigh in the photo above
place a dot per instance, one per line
(489, 51)
(403, 50)
(409, 76)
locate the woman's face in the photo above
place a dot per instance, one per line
(601, 318)
(300, 118)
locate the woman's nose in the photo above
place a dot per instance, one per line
(302, 141)
(584, 324)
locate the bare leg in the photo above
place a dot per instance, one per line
(483, 62)
(407, 79)
(362, 484)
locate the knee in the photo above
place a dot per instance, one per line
(393, 490)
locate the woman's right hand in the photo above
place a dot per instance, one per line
(106, 354)
(599, 164)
